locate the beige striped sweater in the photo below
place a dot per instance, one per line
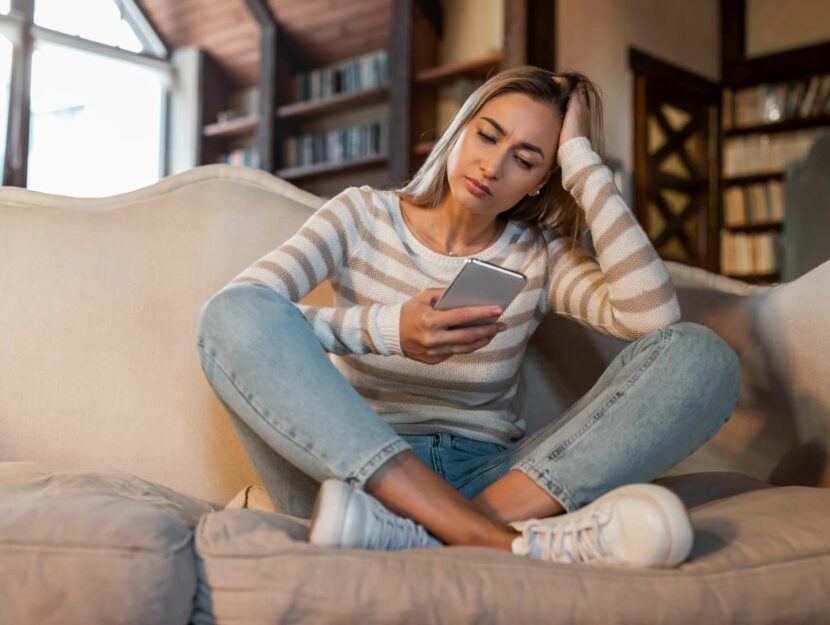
(359, 240)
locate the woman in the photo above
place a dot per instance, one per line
(414, 428)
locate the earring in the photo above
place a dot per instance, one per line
(535, 193)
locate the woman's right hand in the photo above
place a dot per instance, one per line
(425, 334)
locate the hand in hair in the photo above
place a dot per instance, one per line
(577, 122)
(426, 334)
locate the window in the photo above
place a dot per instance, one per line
(97, 109)
(5, 6)
(96, 20)
(96, 123)
(6, 48)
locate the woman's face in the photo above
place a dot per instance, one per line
(510, 146)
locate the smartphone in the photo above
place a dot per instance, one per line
(481, 284)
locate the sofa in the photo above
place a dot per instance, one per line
(118, 460)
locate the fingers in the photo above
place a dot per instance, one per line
(462, 316)
(469, 336)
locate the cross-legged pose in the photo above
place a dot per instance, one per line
(412, 425)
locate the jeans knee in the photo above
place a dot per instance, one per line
(234, 304)
(717, 364)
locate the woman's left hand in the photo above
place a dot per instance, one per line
(577, 120)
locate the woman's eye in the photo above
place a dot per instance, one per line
(489, 139)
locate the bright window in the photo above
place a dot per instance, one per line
(97, 20)
(5, 85)
(5, 6)
(96, 123)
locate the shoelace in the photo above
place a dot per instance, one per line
(586, 542)
(393, 528)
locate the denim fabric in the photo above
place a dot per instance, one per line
(662, 397)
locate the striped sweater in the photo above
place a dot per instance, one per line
(358, 240)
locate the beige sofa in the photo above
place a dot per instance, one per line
(116, 456)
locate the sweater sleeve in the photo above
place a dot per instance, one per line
(316, 252)
(626, 291)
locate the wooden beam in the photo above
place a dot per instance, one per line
(541, 34)
(16, 164)
(780, 66)
(529, 33)
(732, 33)
(400, 99)
(515, 35)
(266, 135)
(434, 13)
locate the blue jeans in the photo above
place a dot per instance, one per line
(663, 396)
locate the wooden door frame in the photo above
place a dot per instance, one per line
(645, 67)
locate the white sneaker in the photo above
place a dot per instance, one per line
(638, 525)
(346, 517)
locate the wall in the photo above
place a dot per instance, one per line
(773, 26)
(184, 119)
(593, 37)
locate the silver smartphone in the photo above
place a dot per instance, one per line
(481, 284)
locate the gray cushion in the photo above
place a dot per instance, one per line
(93, 548)
(761, 555)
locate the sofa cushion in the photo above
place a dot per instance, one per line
(761, 555)
(89, 548)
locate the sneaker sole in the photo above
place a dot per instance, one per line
(675, 520)
(329, 514)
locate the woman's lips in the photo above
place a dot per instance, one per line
(475, 188)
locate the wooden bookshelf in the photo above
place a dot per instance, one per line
(787, 125)
(444, 74)
(740, 72)
(422, 148)
(416, 30)
(738, 181)
(231, 128)
(328, 169)
(333, 104)
(755, 278)
(755, 227)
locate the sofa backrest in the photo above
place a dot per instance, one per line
(99, 300)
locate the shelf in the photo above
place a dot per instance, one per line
(233, 127)
(333, 104)
(799, 123)
(423, 148)
(738, 181)
(437, 76)
(307, 172)
(757, 227)
(754, 277)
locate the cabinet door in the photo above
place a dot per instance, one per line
(676, 165)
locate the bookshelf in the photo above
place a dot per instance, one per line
(772, 108)
(377, 113)
(228, 116)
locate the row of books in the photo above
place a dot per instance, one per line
(338, 145)
(355, 74)
(248, 157)
(754, 203)
(765, 153)
(776, 102)
(746, 254)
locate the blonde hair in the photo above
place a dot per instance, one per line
(553, 208)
